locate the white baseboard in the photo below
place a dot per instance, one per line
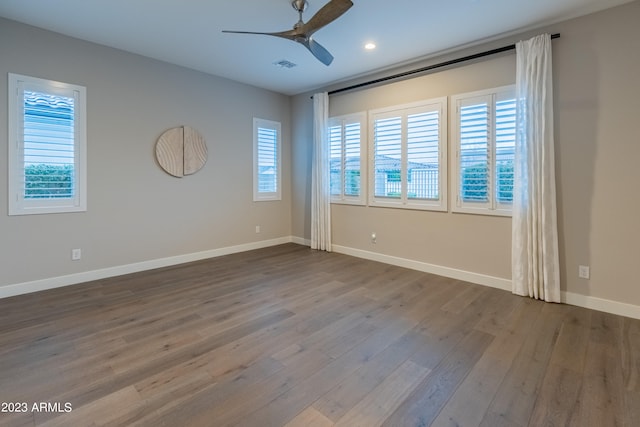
(599, 304)
(467, 276)
(301, 241)
(594, 303)
(87, 276)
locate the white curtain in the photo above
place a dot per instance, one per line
(320, 190)
(535, 264)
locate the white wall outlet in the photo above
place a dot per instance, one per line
(76, 254)
(583, 271)
(257, 229)
(374, 238)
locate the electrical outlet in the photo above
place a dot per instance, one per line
(374, 238)
(76, 254)
(583, 271)
(257, 229)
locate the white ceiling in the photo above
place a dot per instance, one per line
(188, 32)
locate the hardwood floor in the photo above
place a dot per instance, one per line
(289, 336)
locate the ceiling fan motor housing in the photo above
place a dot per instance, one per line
(300, 5)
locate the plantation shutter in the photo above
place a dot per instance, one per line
(49, 157)
(474, 150)
(387, 151)
(336, 159)
(409, 155)
(423, 155)
(486, 132)
(505, 148)
(266, 159)
(352, 153)
(345, 158)
(47, 146)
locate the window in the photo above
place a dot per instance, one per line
(409, 156)
(47, 146)
(346, 134)
(485, 133)
(266, 160)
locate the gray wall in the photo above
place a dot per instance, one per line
(597, 105)
(136, 212)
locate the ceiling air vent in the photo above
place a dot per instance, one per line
(283, 63)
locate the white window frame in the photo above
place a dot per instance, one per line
(260, 196)
(343, 121)
(18, 204)
(492, 206)
(404, 202)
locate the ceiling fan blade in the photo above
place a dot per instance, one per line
(302, 32)
(318, 51)
(327, 14)
(284, 34)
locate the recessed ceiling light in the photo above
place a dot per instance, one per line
(370, 46)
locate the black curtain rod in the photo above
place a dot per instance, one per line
(431, 67)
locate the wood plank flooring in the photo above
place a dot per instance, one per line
(286, 336)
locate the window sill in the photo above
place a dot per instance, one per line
(425, 206)
(482, 211)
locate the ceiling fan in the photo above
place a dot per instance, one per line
(302, 32)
